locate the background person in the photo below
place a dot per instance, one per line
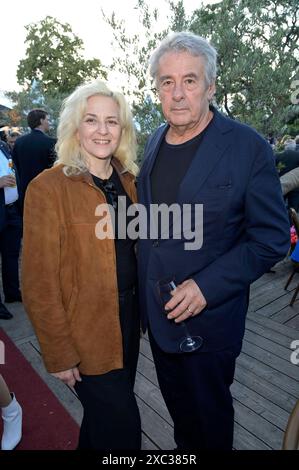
(289, 160)
(33, 152)
(11, 139)
(10, 233)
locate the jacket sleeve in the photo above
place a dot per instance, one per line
(265, 242)
(290, 181)
(40, 278)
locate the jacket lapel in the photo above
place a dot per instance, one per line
(215, 142)
(211, 149)
(150, 154)
(127, 179)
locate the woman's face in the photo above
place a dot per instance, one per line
(99, 132)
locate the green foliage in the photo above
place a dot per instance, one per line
(148, 116)
(257, 43)
(54, 58)
(130, 63)
(4, 118)
(52, 69)
(280, 166)
(34, 97)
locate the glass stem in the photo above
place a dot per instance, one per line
(189, 338)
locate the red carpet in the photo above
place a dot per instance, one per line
(46, 424)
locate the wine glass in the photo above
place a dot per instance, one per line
(165, 287)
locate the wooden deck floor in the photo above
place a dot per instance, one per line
(266, 383)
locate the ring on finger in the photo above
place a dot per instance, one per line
(189, 311)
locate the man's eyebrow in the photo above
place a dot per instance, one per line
(164, 77)
(189, 74)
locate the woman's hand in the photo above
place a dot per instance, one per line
(69, 377)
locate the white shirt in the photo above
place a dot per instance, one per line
(10, 193)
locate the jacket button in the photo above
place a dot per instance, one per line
(155, 243)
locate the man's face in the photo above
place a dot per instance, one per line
(45, 124)
(182, 89)
(11, 141)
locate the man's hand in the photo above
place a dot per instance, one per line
(69, 377)
(7, 181)
(187, 301)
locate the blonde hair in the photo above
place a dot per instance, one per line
(73, 108)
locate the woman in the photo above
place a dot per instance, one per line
(78, 285)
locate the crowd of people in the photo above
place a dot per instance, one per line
(89, 286)
(287, 161)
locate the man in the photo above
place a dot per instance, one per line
(289, 159)
(12, 137)
(10, 233)
(203, 158)
(33, 152)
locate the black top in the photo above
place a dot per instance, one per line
(170, 167)
(126, 267)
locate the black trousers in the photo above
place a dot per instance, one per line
(195, 387)
(10, 243)
(111, 417)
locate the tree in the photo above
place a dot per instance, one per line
(130, 63)
(52, 69)
(257, 44)
(54, 58)
(257, 51)
(34, 97)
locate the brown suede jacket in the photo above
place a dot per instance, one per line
(69, 282)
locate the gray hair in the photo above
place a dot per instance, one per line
(186, 42)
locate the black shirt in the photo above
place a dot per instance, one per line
(126, 267)
(170, 167)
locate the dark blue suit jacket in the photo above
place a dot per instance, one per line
(5, 149)
(245, 232)
(32, 153)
